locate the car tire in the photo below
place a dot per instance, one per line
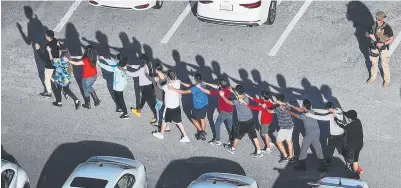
(159, 4)
(26, 185)
(272, 13)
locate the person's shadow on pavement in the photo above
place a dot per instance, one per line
(36, 34)
(362, 20)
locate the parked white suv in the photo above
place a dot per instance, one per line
(108, 172)
(13, 176)
(237, 12)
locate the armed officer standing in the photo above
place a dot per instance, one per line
(381, 36)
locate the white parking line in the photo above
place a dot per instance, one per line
(279, 2)
(289, 28)
(67, 16)
(177, 23)
(395, 43)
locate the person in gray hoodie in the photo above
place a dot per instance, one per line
(336, 138)
(312, 135)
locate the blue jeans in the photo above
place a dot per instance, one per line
(220, 119)
(87, 84)
(159, 110)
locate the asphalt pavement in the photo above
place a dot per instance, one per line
(321, 59)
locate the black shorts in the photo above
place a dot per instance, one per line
(353, 154)
(245, 127)
(172, 115)
(198, 114)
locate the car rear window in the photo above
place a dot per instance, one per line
(88, 182)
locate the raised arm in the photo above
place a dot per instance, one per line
(225, 99)
(203, 89)
(211, 85)
(296, 108)
(179, 91)
(185, 84)
(340, 123)
(132, 74)
(76, 62)
(292, 113)
(107, 67)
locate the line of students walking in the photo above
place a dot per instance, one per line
(161, 91)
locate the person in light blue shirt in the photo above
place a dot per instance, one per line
(200, 101)
(119, 82)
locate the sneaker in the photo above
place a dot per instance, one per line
(266, 150)
(77, 104)
(230, 149)
(124, 116)
(215, 143)
(167, 129)
(46, 95)
(198, 135)
(360, 171)
(185, 139)
(370, 81)
(57, 104)
(158, 135)
(119, 110)
(135, 111)
(153, 121)
(203, 135)
(386, 84)
(292, 160)
(283, 160)
(256, 155)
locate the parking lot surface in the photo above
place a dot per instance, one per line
(319, 59)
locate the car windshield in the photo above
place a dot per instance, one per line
(88, 182)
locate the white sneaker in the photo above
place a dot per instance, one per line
(185, 139)
(267, 150)
(158, 135)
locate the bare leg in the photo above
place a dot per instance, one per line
(355, 166)
(281, 148)
(182, 129)
(163, 127)
(257, 144)
(290, 149)
(235, 144)
(203, 124)
(196, 124)
(267, 141)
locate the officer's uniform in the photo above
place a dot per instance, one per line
(382, 33)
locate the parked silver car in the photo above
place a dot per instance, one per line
(108, 172)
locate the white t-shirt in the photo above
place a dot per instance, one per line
(172, 98)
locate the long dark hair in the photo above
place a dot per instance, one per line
(90, 53)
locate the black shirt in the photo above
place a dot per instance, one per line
(387, 31)
(53, 44)
(354, 133)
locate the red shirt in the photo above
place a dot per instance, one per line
(88, 70)
(266, 117)
(223, 106)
